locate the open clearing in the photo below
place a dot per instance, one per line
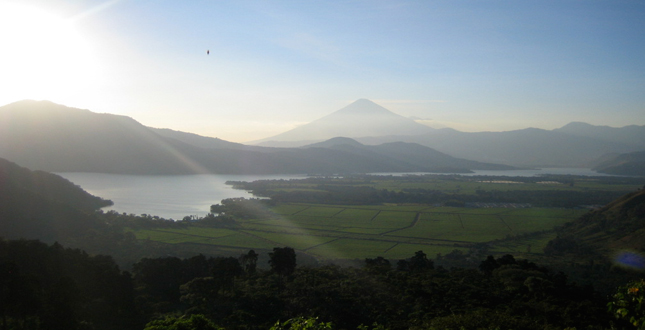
(390, 231)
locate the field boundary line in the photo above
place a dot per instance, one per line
(417, 217)
(259, 237)
(391, 247)
(305, 209)
(321, 244)
(429, 240)
(370, 237)
(339, 212)
(506, 224)
(192, 235)
(375, 215)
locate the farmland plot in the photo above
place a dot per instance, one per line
(367, 231)
(298, 241)
(351, 249)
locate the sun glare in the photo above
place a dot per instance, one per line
(42, 56)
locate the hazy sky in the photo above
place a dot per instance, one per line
(471, 65)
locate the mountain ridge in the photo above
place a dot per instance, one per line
(411, 153)
(360, 118)
(576, 144)
(76, 140)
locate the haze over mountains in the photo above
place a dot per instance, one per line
(359, 119)
(573, 145)
(41, 135)
(360, 138)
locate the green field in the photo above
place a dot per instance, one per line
(468, 185)
(391, 231)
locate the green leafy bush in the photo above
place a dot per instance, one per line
(629, 303)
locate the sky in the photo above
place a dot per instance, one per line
(472, 65)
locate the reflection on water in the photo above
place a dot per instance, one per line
(169, 196)
(174, 197)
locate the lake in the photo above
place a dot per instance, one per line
(177, 196)
(170, 197)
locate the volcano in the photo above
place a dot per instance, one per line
(362, 118)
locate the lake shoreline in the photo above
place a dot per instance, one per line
(177, 196)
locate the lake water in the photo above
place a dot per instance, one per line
(170, 197)
(177, 196)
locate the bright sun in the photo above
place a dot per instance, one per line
(42, 56)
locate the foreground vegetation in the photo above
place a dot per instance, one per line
(208, 274)
(50, 287)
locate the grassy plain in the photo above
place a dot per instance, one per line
(348, 232)
(397, 230)
(469, 185)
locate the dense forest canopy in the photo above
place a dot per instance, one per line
(51, 287)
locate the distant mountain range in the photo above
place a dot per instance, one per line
(362, 118)
(402, 154)
(362, 137)
(41, 135)
(574, 145)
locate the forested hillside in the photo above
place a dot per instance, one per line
(618, 225)
(40, 205)
(48, 185)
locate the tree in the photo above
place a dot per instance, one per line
(420, 262)
(302, 323)
(20, 295)
(249, 262)
(417, 263)
(194, 322)
(160, 278)
(225, 270)
(283, 260)
(487, 266)
(379, 265)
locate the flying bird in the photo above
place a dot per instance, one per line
(208, 52)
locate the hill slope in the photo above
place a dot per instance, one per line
(55, 138)
(47, 136)
(620, 225)
(39, 205)
(632, 163)
(411, 155)
(197, 140)
(632, 135)
(525, 148)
